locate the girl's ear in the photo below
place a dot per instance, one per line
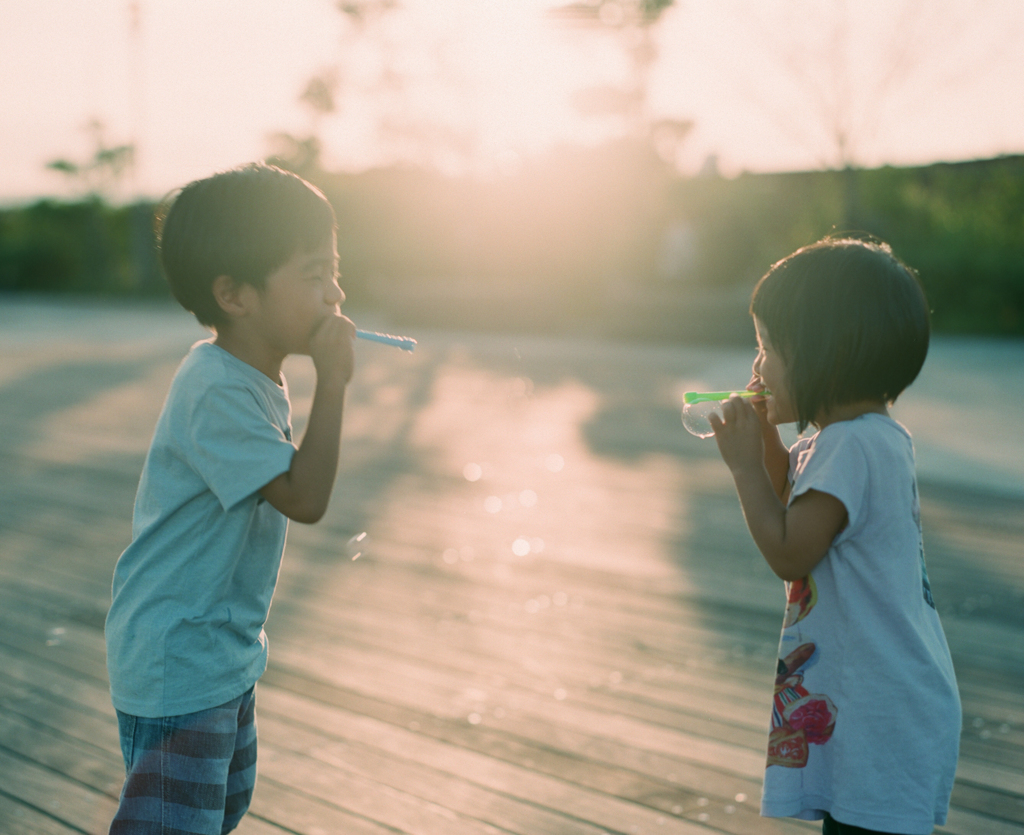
(231, 296)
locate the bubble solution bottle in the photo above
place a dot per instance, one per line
(699, 405)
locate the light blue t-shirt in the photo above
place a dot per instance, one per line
(866, 715)
(193, 589)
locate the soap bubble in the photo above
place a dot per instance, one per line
(354, 547)
(695, 417)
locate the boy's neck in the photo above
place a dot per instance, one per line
(849, 411)
(250, 351)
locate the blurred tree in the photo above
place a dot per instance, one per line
(918, 48)
(302, 153)
(632, 23)
(101, 174)
(373, 80)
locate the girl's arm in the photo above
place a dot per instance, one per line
(776, 455)
(794, 539)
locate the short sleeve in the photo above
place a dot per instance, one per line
(794, 458)
(235, 446)
(835, 464)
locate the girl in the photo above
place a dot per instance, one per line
(866, 718)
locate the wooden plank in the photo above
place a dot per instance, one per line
(618, 679)
(66, 723)
(93, 765)
(65, 800)
(301, 813)
(18, 818)
(988, 800)
(502, 779)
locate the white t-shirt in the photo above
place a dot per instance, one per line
(866, 716)
(193, 589)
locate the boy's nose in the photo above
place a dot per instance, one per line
(334, 293)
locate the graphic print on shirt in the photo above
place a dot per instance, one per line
(802, 596)
(799, 718)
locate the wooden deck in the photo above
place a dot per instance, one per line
(557, 624)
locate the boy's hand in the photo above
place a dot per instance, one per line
(303, 492)
(739, 436)
(331, 348)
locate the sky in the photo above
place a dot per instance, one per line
(479, 85)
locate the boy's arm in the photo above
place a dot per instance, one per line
(303, 492)
(794, 539)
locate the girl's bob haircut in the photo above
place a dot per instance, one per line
(850, 321)
(243, 223)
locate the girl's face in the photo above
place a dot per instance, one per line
(770, 368)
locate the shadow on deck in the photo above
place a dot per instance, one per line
(558, 623)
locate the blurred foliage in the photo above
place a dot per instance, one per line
(81, 247)
(605, 240)
(960, 225)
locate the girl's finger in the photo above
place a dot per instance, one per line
(737, 404)
(728, 410)
(716, 422)
(742, 411)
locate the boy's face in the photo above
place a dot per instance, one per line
(768, 365)
(298, 296)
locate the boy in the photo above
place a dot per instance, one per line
(252, 253)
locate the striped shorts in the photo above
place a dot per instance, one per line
(188, 775)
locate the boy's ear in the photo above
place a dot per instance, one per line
(231, 296)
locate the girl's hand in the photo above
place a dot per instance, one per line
(776, 456)
(739, 435)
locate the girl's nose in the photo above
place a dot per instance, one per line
(758, 360)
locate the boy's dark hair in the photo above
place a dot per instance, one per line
(244, 223)
(850, 321)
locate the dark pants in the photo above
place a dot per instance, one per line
(833, 827)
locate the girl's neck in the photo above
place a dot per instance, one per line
(849, 411)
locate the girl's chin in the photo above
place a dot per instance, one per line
(776, 419)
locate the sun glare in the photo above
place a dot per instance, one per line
(479, 83)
